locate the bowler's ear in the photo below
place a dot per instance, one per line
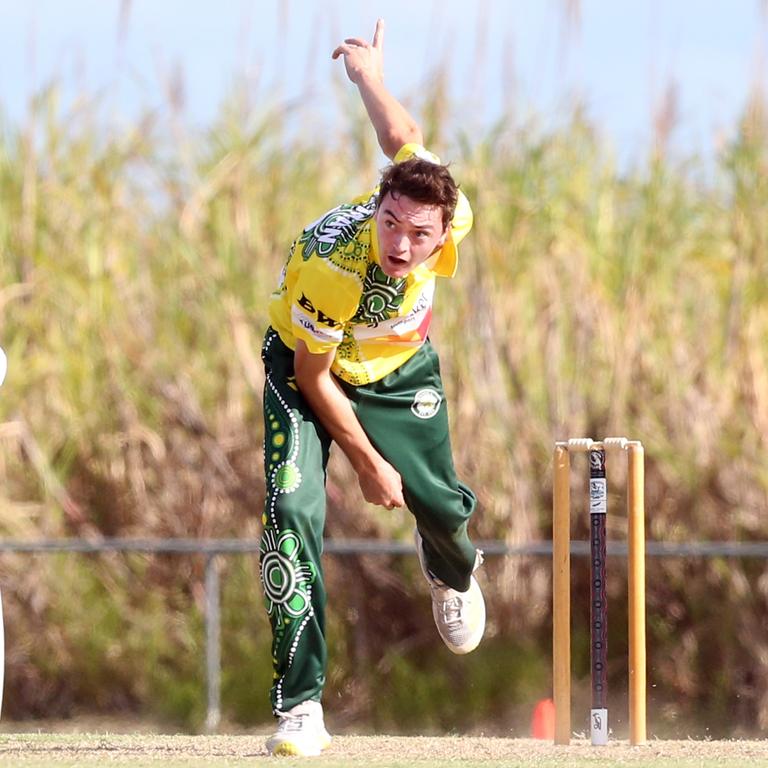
(441, 241)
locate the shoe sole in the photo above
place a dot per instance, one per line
(290, 749)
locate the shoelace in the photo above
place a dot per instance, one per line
(291, 723)
(451, 610)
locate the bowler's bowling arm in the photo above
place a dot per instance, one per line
(379, 481)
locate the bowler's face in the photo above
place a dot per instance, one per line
(409, 233)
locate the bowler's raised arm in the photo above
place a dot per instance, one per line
(364, 63)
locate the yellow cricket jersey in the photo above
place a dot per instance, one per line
(333, 293)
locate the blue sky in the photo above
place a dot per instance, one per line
(503, 56)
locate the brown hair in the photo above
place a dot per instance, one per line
(424, 182)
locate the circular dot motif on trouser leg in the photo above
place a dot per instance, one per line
(285, 577)
(286, 477)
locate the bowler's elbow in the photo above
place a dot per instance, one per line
(393, 139)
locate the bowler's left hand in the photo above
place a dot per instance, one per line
(362, 59)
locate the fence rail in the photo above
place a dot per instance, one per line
(214, 549)
(757, 549)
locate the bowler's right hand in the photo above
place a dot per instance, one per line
(381, 484)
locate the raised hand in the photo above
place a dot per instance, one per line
(363, 59)
(364, 62)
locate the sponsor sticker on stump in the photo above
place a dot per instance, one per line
(597, 496)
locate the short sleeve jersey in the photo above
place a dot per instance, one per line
(333, 293)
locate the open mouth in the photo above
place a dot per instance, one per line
(397, 261)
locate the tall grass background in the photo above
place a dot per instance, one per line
(135, 267)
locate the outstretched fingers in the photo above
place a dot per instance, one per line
(378, 35)
(359, 42)
(361, 58)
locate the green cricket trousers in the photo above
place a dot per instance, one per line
(405, 417)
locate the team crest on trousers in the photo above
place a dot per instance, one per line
(426, 403)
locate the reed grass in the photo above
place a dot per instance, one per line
(134, 274)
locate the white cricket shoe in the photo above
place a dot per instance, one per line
(300, 732)
(459, 616)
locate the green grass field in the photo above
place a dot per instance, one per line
(142, 751)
